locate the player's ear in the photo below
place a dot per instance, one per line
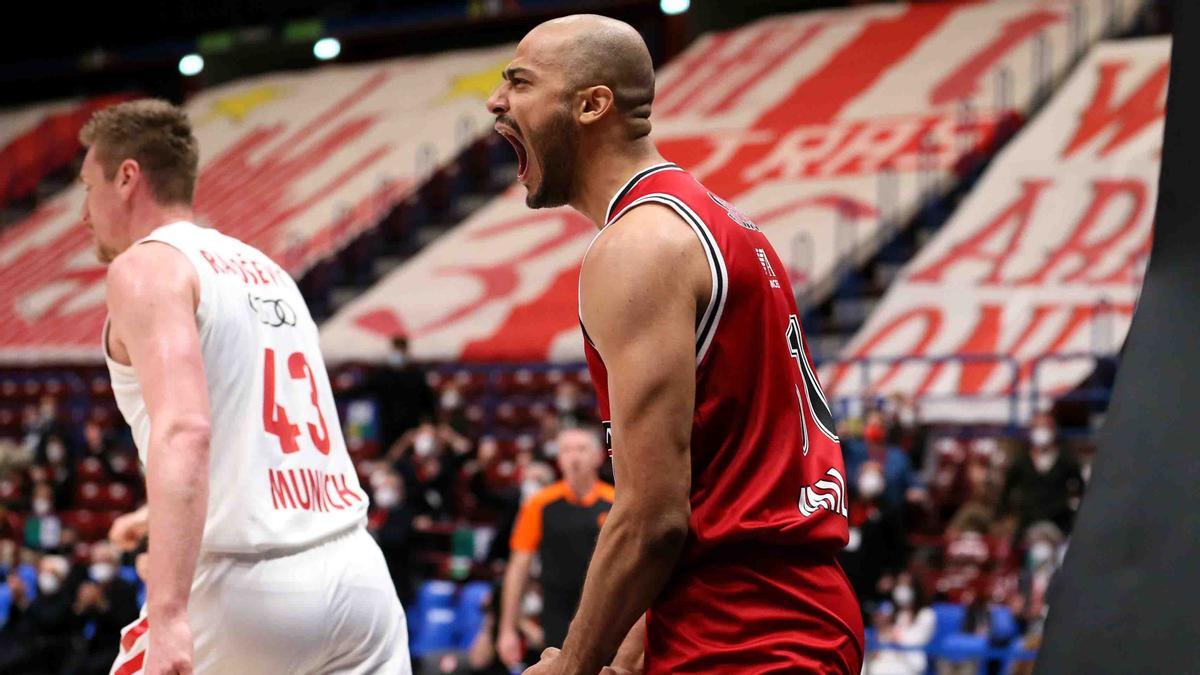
(128, 175)
(597, 102)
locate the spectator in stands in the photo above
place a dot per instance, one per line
(482, 658)
(95, 443)
(492, 484)
(10, 526)
(901, 482)
(1042, 483)
(404, 396)
(429, 459)
(977, 511)
(393, 529)
(877, 545)
(911, 624)
(15, 456)
(41, 423)
(43, 529)
(38, 635)
(1043, 553)
(906, 430)
(535, 475)
(569, 405)
(8, 555)
(59, 468)
(560, 523)
(104, 604)
(452, 411)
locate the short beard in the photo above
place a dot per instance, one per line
(559, 141)
(104, 254)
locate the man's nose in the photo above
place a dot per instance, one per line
(497, 103)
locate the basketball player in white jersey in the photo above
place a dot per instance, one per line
(259, 561)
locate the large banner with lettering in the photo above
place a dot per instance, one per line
(1042, 262)
(295, 164)
(823, 127)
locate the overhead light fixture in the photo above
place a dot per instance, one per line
(672, 7)
(191, 65)
(327, 48)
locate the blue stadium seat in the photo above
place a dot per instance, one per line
(5, 603)
(29, 575)
(950, 618)
(436, 633)
(129, 573)
(470, 611)
(959, 647)
(1004, 624)
(436, 594)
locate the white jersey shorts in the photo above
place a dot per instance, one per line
(329, 608)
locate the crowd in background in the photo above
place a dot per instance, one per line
(976, 517)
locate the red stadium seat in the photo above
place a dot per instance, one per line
(90, 469)
(88, 495)
(85, 523)
(11, 494)
(118, 496)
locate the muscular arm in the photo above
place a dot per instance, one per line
(632, 653)
(152, 295)
(639, 295)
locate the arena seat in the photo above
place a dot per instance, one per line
(470, 611)
(434, 630)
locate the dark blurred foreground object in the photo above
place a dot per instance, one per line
(1125, 600)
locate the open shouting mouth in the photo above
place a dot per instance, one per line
(518, 146)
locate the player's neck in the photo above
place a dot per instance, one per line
(607, 172)
(153, 216)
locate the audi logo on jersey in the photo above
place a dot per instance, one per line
(827, 493)
(274, 312)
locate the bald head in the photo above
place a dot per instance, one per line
(595, 50)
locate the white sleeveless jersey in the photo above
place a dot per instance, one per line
(279, 474)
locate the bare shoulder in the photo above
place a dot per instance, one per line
(646, 269)
(148, 272)
(647, 233)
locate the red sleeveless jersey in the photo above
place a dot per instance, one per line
(768, 493)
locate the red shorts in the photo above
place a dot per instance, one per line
(768, 611)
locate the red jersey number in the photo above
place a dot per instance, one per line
(275, 418)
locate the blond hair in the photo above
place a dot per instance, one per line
(155, 134)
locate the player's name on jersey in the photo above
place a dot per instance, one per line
(310, 490)
(251, 272)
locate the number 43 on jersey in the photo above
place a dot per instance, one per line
(275, 418)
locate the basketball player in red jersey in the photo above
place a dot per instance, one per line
(731, 497)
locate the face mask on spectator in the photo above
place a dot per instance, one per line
(55, 452)
(424, 444)
(870, 484)
(1044, 461)
(564, 403)
(102, 572)
(451, 399)
(1041, 436)
(41, 506)
(908, 417)
(531, 605)
(386, 498)
(397, 360)
(904, 596)
(1040, 553)
(48, 582)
